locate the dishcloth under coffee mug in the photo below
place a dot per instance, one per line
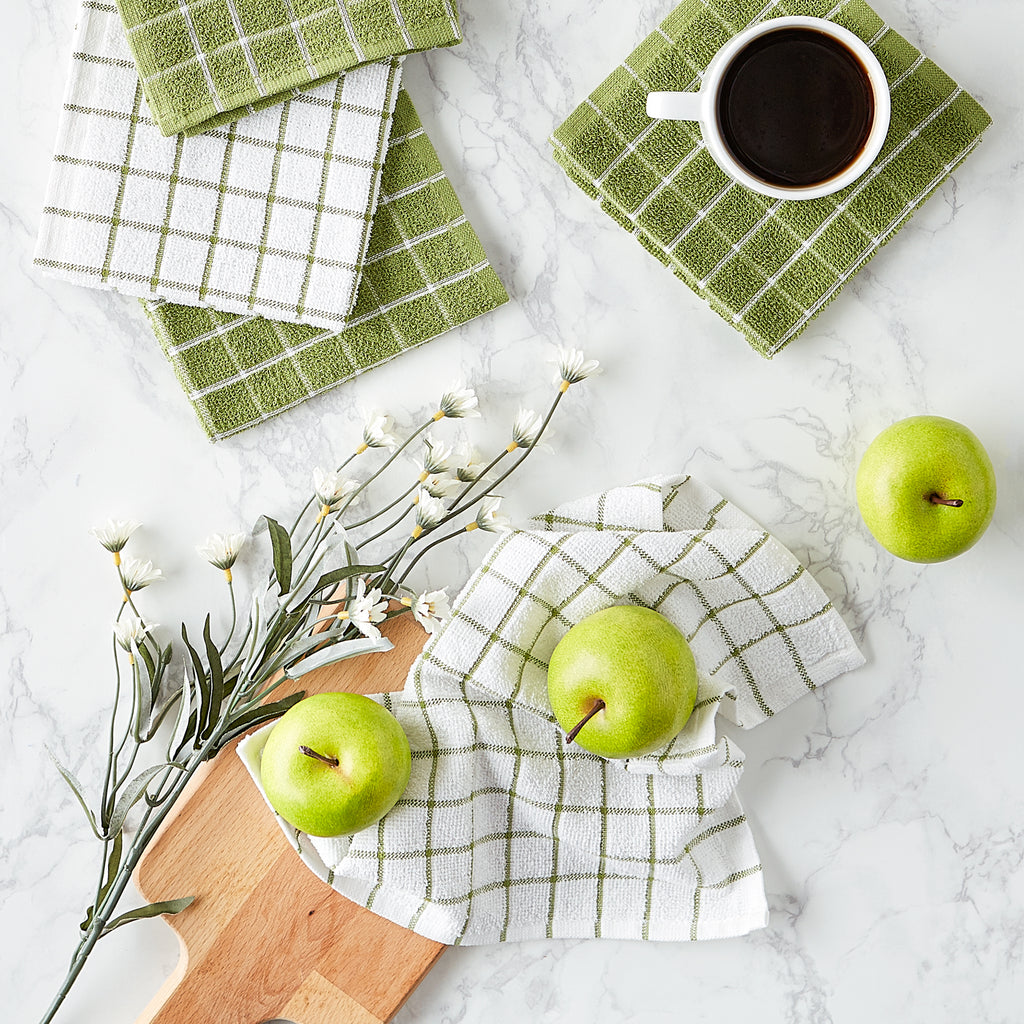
(793, 108)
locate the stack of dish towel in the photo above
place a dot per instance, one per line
(255, 172)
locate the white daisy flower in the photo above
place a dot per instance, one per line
(434, 458)
(129, 631)
(331, 488)
(573, 367)
(136, 574)
(378, 433)
(429, 511)
(114, 533)
(458, 403)
(526, 429)
(470, 466)
(431, 610)
(221, 550)
(489, 518)
(365, 609)
(440, 485)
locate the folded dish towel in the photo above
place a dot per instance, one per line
(766, 266)
(270, 215)
(506, 833)
(425, 273)
(208, 62)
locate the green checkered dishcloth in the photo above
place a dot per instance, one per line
(270, 215)
(507, 833)
(208, 62)
(425, 273)
(766, 266)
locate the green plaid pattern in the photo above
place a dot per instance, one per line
(767, 266)
(506, 833)
(209, 62)
(270, 215)
(425, 273)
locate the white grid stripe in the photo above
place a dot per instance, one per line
(244, 42)
(200, 56)
(347, 19)
(296, 28)
(400, 21)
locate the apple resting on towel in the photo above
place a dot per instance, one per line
(335, 763)
(926, 488)
(622, 682)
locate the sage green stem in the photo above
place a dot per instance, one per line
(111, 771)
(459, 507)
(386, 508)
(387, 529)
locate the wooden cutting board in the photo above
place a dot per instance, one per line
(265, 938)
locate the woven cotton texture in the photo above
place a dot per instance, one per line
(767, 266)
(507, 833)
(425, 273)
(270, 215)
(208, 62)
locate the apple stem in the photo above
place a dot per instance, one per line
(309, 752)
(574, 732)
(935, 499)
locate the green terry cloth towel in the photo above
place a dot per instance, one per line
(425, 273)
(208, 62)
(767, 266)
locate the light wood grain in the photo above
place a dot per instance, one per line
(265, 937)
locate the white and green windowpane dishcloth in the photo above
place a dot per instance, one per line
(425, 274)
(766, 266)
(507, 833)
(270, 215)
(207, 62)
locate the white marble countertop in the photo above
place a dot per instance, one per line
(888, 807)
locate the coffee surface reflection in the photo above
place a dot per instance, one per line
(795, 107)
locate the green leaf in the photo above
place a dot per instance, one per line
(259, 716)
(113, 863)
(143, 702)
(76, 788)
(150, 910)
(147, 659)
(336, 576)
(202, 694)
(282, 545)
(160, 712)
(217, 690)
(130, 796)
(184, 730)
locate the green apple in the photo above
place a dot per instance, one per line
(335, 763)
(622, 681)
(926, 488)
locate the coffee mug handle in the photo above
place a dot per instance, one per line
(674, 106)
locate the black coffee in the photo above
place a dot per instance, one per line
(795, 107)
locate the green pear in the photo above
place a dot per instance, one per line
(335, 763)
(926, 488)
(622, 682)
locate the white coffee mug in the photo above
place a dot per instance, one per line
(703, 107)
